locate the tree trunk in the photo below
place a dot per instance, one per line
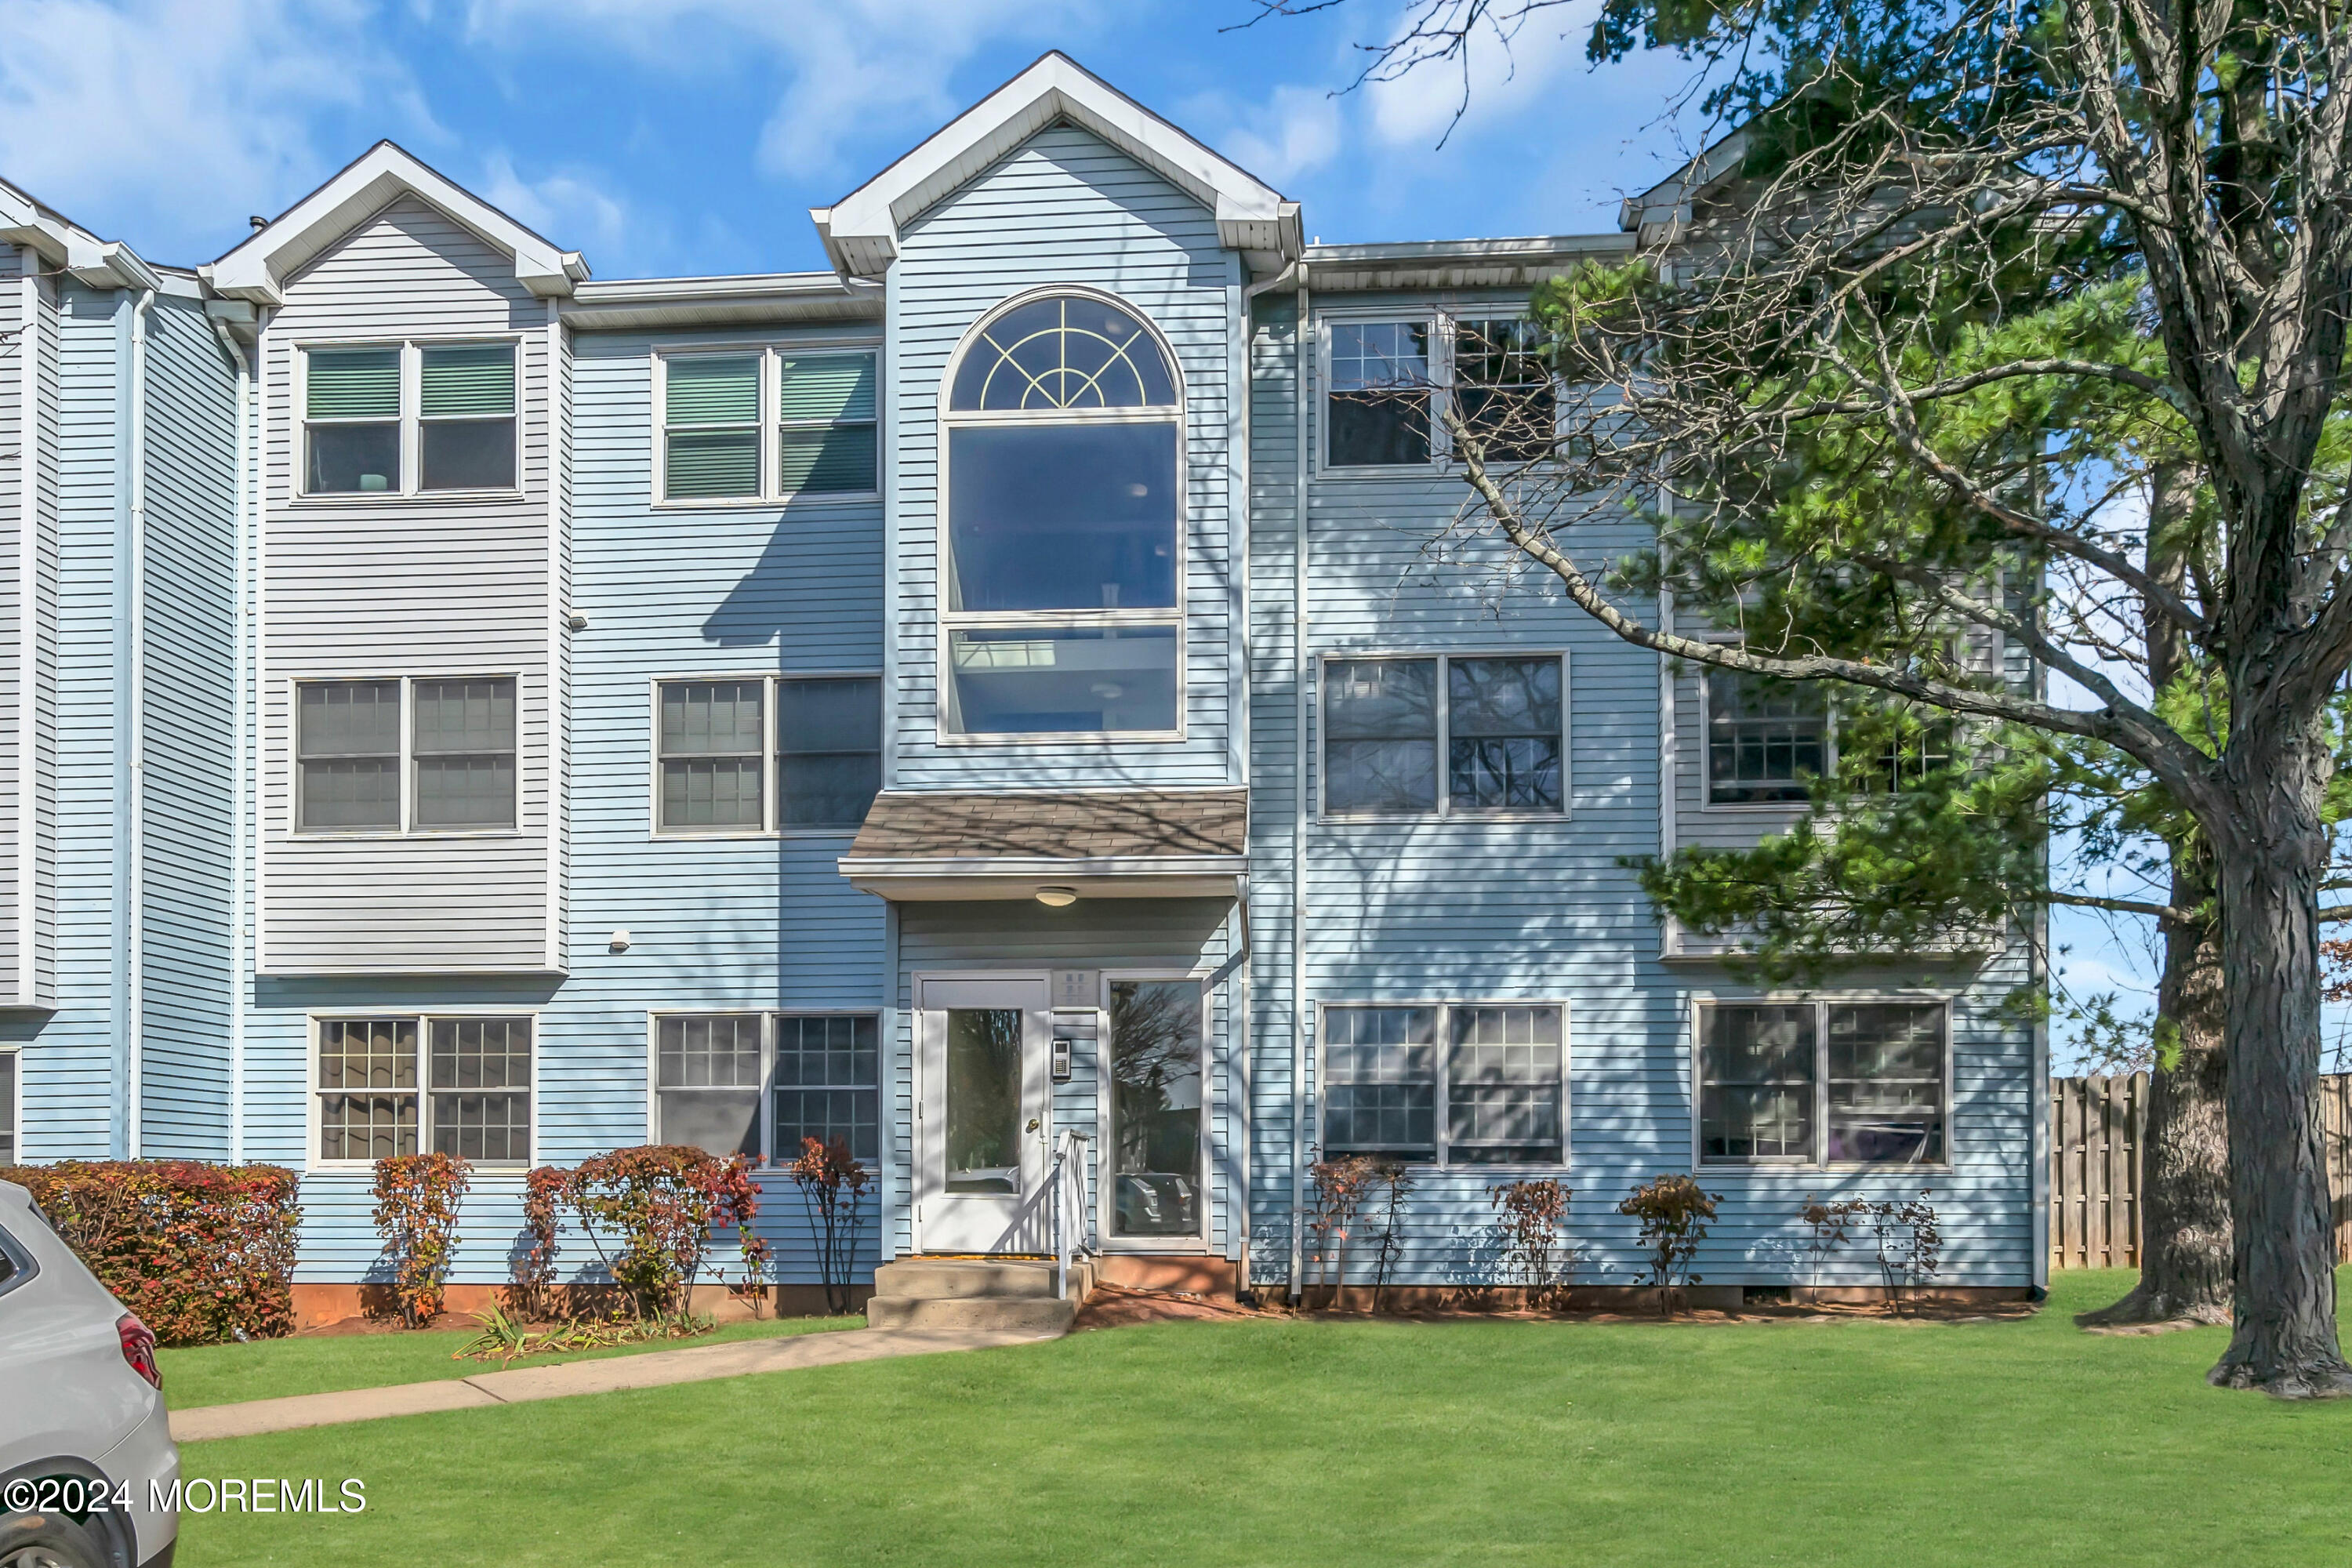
(2184, 1190)
(2284, 1247)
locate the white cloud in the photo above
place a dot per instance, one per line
(573, 209)
(1506, 73)
(1296, 132)
(853, 68)
(189, 114)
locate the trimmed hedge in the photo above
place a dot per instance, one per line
(202, 1252)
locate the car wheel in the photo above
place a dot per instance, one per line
(47, 1541)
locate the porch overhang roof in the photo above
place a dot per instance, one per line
(1008, 844)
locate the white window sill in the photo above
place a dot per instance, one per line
(747, 835)
(378, 835)
(407, 498)
(767, 503)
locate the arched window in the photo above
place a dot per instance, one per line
(1064, 557)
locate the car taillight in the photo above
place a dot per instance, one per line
(139, 1347)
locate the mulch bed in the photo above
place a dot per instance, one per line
(1114, 1307)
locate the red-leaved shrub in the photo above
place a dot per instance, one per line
(202, 1252)
(657, 1202)
(417, 1199)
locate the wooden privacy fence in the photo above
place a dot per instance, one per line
(2094, 1147)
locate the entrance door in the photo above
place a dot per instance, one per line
(986, 1118)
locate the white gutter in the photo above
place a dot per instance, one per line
(236, 963)
(134, 726)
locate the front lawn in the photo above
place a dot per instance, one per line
(222, 1374)
(1372, 1442)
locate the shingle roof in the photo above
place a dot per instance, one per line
(1074, 826)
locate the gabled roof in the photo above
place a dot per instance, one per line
(61, 242)
(861, 230)
(257, 269)
(1668, 202)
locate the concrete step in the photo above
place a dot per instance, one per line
(989, 1314)
(965, 1279)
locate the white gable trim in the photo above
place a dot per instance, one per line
(257, 269)
(861, 230)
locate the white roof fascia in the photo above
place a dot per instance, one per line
(24, 221)
(861, 230)
(1669, 201)
(257, 269)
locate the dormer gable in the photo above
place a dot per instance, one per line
(257, 269)
(861, 230)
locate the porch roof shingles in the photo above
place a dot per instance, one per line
(1077, 826)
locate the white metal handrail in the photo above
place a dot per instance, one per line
(1066, 1189)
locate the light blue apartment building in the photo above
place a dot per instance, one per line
(991, 701)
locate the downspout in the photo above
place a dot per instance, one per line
(1243, 999)
(1299, 561)
(133, 728)
(241, 566)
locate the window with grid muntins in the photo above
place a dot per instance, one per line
(347, 754)
(825, 437)
(1379, 1081)
(1885, 1076)
(712, 740)
(710, 417)
(1378, 410)
(481, 1090)
(707, 1082)
(1503, 1085)
(1502, 388)
(827, 1083)
(474, 1099)
(828, 750)
(1766, 739)
(1756, 1083)
(367, 1088)
(464, 746)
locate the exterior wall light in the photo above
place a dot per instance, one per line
(620, 941)
(1058, 898)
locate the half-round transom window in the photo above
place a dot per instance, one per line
(1064, 526)
(1066, 352)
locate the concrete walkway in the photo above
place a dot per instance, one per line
(649, 1370)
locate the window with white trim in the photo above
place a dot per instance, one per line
(713, 741)
(1389, 382)
(1063, 553)
(759, 1083)
(470, 1096)
(1450, 1083)
(1767, 740)
(743, 425)
(1820, 1082)
(1444, 734)
(451, 768)
(409, 418)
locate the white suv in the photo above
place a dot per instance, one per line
(86, 1452)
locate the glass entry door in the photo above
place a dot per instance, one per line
(1156, 1105)
(985, 1123)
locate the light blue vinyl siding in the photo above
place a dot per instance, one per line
(189, 749)
(1064, 208)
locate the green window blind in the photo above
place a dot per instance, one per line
(827, 386)
(714, 389)
(828, 460)
(468, 379)
(355, 384)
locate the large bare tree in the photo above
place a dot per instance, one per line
(1842, 277)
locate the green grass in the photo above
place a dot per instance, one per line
(222, 1374)
(1356, 1444)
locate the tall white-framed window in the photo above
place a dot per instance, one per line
(759, 1083)
(1154, 1088)
(1389, 380)
(409, 417)
(1767, 740)
(1063, 561)
(1841, 1081)
(744, 425)
(738, 755)
(406, 1083)
(1447, 1083)
(406, 754)
(1457, 734)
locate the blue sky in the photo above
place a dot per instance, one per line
(669, 137)
(689, 136)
